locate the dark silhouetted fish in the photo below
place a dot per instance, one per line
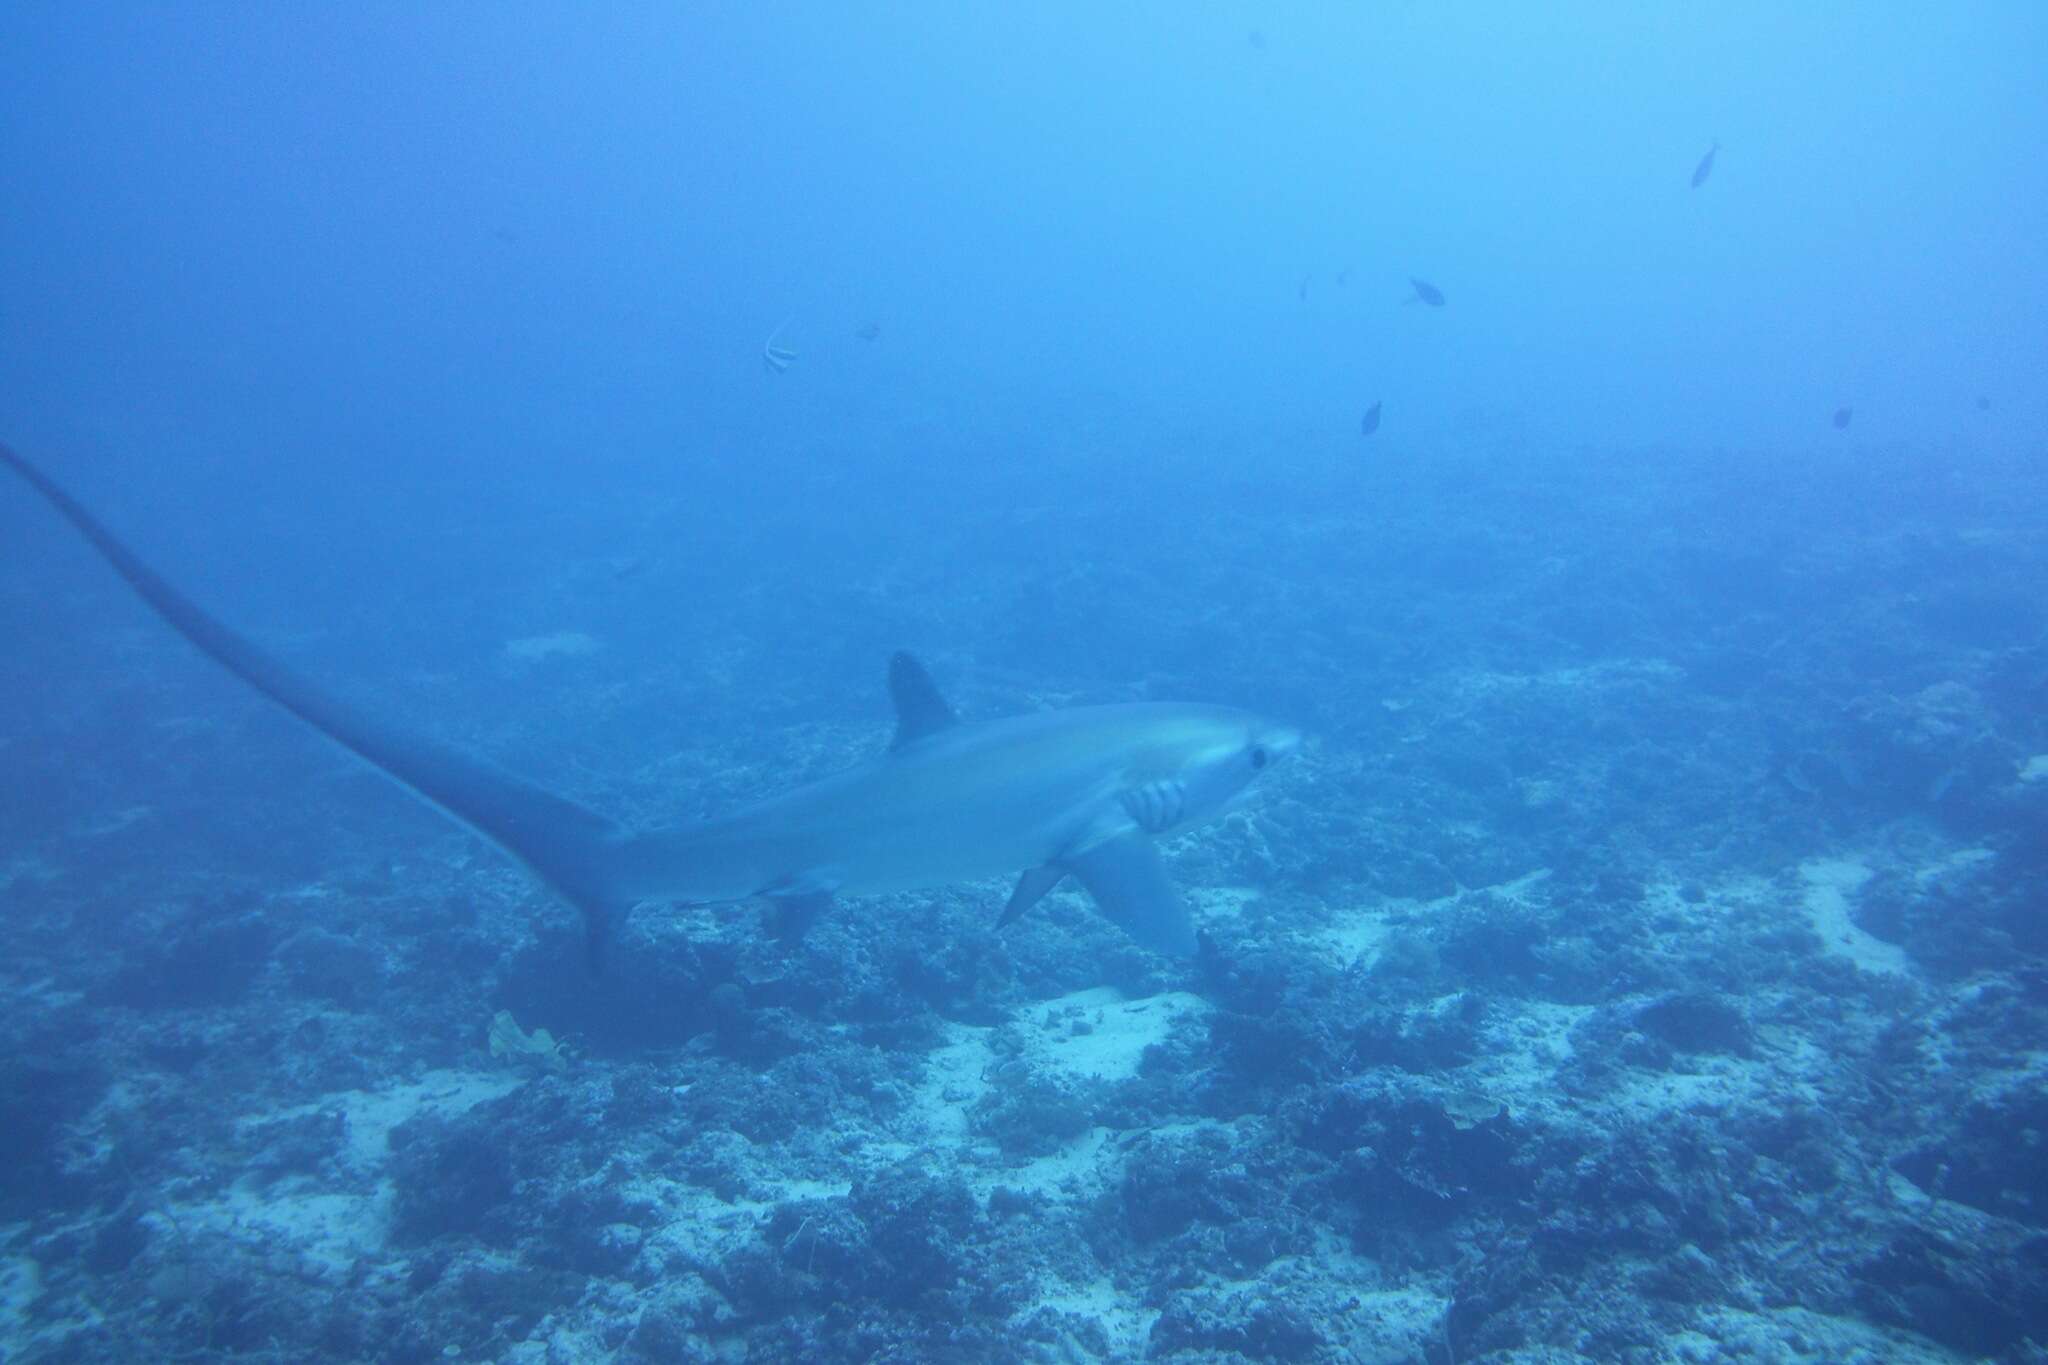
(1842, 416)
(1983, 403)
(870, 331)
(1371, 422)
(1706, 166)
(1302, 291)
(1425, 292)
(1343, 277)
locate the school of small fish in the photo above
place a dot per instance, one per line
(777, 358)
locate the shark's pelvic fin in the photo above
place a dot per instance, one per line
(568, 846)
(920, 710)
(1128, 880)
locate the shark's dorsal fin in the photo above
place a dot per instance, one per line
(920, 710)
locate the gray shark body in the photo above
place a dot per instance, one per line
(1081, 792)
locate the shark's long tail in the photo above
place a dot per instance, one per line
(570, 847)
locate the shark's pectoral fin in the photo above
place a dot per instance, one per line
(1128, 880)
(1031, 889)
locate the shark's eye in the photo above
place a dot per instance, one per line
(1258, 757)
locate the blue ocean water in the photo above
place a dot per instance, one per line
(1611, 436)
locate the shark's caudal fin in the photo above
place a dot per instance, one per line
(568, 846)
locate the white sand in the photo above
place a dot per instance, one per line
(328, 1230)
(1831, 887)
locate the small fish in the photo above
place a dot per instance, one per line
(1425, 292)
(775, 357)
(1343, 277)
(1257, 39)
(1301, 290)
(1706, 166)
(870, 331)
(1372, 420)
(1842, 416)
(1983, 403)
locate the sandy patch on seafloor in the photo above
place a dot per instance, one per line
(1357, 935)
(1085, 1037)
(1794, 1334)
(1089, 1035)
(1221, 902)
(1127, 1324)
(1525, 1045)
(1096, 1034)
(372, 1114)
(1829, 900)
(328, 1230)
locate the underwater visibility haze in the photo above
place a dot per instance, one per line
(1337, 683)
